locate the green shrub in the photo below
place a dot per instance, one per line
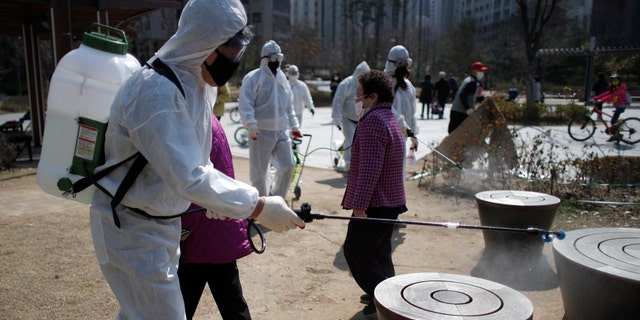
(320, 98)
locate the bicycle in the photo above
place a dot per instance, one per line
(241, 135)
(234, 115)
(625, 130)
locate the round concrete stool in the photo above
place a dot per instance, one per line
(447, 297)
(599, 271)
(515, 209)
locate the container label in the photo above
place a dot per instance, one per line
(89, 151)
(86, 143)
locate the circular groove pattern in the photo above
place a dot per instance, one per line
(436, 295)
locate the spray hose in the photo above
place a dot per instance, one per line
(547, 235)
(411, 134)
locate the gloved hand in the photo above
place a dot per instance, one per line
(295, 132)
(313, 111)
(410, 133)
(253, 131)
(337, 122)
(414, 144)
(470, 111)
(277, 216)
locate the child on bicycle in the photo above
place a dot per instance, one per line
(617, 96)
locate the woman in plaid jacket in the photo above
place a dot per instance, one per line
(375, 187)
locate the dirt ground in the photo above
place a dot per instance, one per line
(49, 269)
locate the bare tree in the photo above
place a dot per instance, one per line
(535, 16)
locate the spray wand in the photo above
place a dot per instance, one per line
(547, 235)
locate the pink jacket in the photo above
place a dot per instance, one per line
(616, 97)
(212, 240)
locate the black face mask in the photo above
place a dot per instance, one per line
(273, 66)
(221, 69)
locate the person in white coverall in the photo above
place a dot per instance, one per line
(404, 101)
(266, 108)
(301, 94)
(344, 111)
(172, 130)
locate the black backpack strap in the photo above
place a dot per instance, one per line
(90, 179)
(163, 69)
(127, 182)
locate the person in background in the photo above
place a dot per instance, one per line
(441, 90)
(537, 90)
(301, 94)
(599, 87)
(223, 96)
(333, 85)
(404, 99)
(168, 122)
(464, 101)
(426, 95)
(453, 83)
(344, 113)
(210, 247)
(617, 95)
(375, 187)
(266, 109)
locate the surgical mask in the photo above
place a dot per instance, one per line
(273, 66)
(293, 77)
(221, 69)
(359, 109)
(479, 75)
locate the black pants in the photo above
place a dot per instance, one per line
(367, 249)
(455, 119)
(225, 286)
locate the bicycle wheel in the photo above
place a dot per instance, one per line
(630, 130)
(234, 115)
(582, 128)
(241, 136)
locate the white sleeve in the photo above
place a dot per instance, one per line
(307, 97)
(247, 99)
(338, 100)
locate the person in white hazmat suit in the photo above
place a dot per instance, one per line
(301, 94)
(344, 113)
(139, 258)
(404, 101)
(266, 108)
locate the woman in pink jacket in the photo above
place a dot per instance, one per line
(210, 248)
(616, 95)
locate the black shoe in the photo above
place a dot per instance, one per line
(365, 298)
(369, 309)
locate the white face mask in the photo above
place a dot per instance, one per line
(293, 78)
(479, 75)
(359, 109)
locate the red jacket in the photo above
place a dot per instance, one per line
(616, 97)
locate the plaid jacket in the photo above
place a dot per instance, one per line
(376, 175)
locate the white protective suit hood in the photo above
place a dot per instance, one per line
(361, 68)
(204, 25)
(396, 54)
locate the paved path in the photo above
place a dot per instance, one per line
(432, 132)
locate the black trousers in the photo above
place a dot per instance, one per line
(225, 286)
(455, 119)
(367, 249)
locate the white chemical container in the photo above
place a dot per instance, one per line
(82, 89)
